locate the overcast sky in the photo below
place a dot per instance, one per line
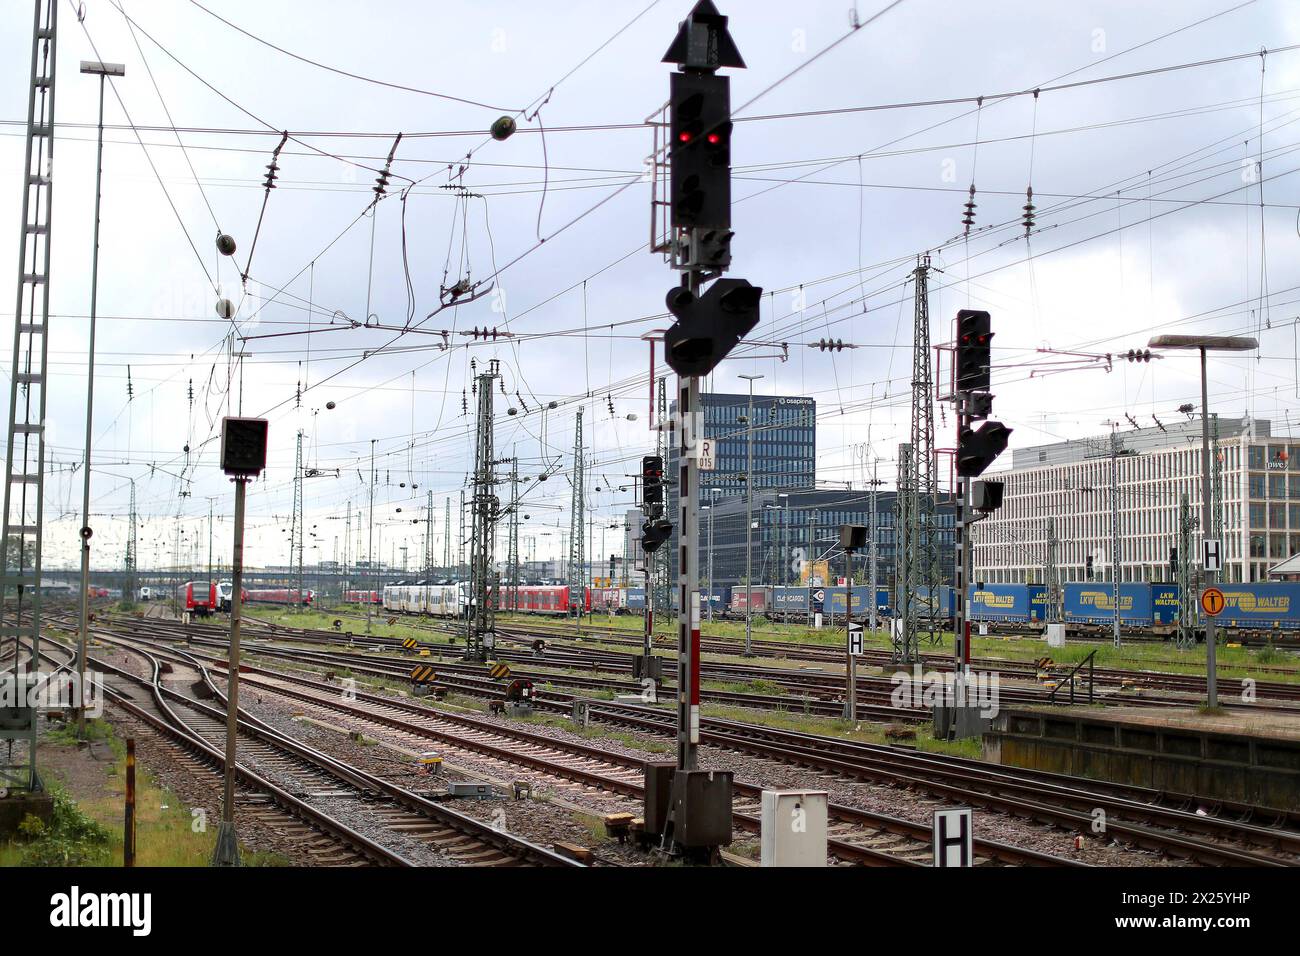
(1180, 248)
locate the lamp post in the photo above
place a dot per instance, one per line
(1204, 344)
(103, 71)
(749, 522)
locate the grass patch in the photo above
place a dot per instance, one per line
(89, 831)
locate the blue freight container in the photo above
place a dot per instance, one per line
(1094, 603)
(943, 605)
(636, 599)
(790, 600)
(1164, 602)
(861, 600)
(1009, 603)
(1272, 605)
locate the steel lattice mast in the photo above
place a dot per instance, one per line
(577, 541)
(512, 545)
(904, 634)
(295, 528)
(20, 551)
(132, 553)
(446, 536)
(485, 508)
(923, 480)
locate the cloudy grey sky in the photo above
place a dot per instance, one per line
(1148, 191)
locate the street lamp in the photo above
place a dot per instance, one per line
(749, 522)
(102, 70)
(1204, 344)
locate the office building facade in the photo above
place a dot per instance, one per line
(1070, 483)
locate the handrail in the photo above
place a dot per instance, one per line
(1089, 660)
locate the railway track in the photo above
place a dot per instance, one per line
(1174, 824)
(859, 836)
(276, 770)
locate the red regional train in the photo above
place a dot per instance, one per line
(544, 599)
(278, 596)
(360, 597)
(199, 598)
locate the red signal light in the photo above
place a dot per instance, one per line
(714, 138)
(684, 136)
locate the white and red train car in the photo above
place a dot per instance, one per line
(199, 598)
(278, 596)
(361, 597)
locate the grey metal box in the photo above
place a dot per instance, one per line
(658, 795)
(702, 813)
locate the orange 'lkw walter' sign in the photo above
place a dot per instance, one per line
(1212, 601)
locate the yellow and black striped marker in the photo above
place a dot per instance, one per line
(1043, 663)
(409, 643)
(499, 670)
(423, 674)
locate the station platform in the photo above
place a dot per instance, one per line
(1238, 756)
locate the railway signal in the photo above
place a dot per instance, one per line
(708, 327)
(652, 482)
(654, 533)
(978, 447)
(243, 456)
(974, 350)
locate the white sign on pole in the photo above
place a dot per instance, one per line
(954, 838)
(707, 460)
(855, 639)
(1211, 555)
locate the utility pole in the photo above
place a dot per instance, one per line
(370, 542)
(713, 506)
(347, 545)
(749, 522)
(210, 501)
(577, 540)
(873, 552)
(428, 546)
(1052, 577)
(486, 510)
(243, 456)
(1186, 600)
(512, 546)
(103, 71)
(904, 636)
(462, 572)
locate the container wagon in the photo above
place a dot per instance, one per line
(1090, 606)
(1012, 607)
(757, 599)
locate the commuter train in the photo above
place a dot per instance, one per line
(199, 598)
(453, 600)
(361, 597)
(419, 597)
